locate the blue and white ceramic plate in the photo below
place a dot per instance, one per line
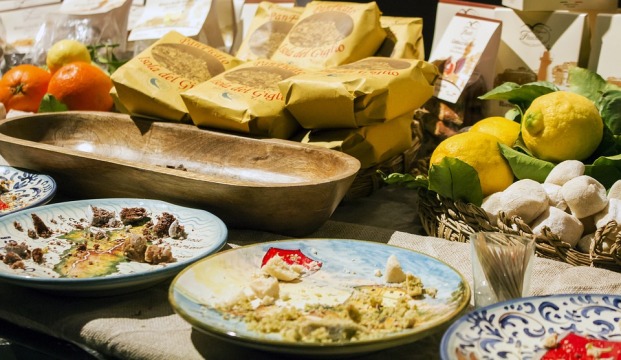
(25, 189)
(215, 295)
(81, 258)
(517, 329)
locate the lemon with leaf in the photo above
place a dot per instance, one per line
(482, 152)
(507, 131)
(562, 125)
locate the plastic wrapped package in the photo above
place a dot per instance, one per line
(2, 47)
(86, 22)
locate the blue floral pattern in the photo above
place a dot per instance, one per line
(26, 189)
(516, 329)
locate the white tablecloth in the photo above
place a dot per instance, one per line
(142, 325)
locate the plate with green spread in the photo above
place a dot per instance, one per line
(104, 246)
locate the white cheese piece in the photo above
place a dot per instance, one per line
(279, 269)
(394, 273)
(264, 287)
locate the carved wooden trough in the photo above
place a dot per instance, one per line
(273, 185)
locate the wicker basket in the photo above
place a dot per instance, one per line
(369, 180)
(455, 221)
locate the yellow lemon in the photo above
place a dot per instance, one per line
(562, 126)
(481, 151)
(64, 52)
(505, 130)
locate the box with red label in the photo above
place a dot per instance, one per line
(535, 45)
(466, 57)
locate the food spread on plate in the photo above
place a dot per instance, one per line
(21, 189)
(570, 347)
(559, 327)
(574, 346)
(95, 245)
(8, 199)
(270, 303)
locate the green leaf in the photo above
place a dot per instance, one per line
(500, 91)
(103, 55)
(606, 170)
(519, 145)
(50, 104)
(609, 146)
(455, 179)
(609, 106)
(514, 114)
(406, 180)
(586, 83)
(520, 95)
(525, 166)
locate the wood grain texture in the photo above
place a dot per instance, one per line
(272, 185)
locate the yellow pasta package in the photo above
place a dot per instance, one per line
(358, 94)
(331, 33)
(269, 26)
(408, 36)
(150, 84)
(372, 144)
(245, 99)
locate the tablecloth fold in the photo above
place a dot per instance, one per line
(142, 325)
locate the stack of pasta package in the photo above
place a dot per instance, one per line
(334, 74)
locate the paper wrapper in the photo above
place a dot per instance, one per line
(118, 106)
(359, 94)
(269, 26)
(408, 36)
(331, 33)
(245, 99)
(372, 144)
(150, 84)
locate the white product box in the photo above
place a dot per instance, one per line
(535, 45)
(135, 13)
(211, 22)
(551, 5)
(468, 47)
(448, 8)
(23, 25)
(548, 43)
(605, 50)
(7, 5)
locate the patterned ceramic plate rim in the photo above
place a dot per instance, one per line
(556, 312)
(190, 309)
(205, 227)
(33, 189)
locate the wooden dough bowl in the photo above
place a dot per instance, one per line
(279, 186)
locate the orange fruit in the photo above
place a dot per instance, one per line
(23, 87)
(82, 86)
